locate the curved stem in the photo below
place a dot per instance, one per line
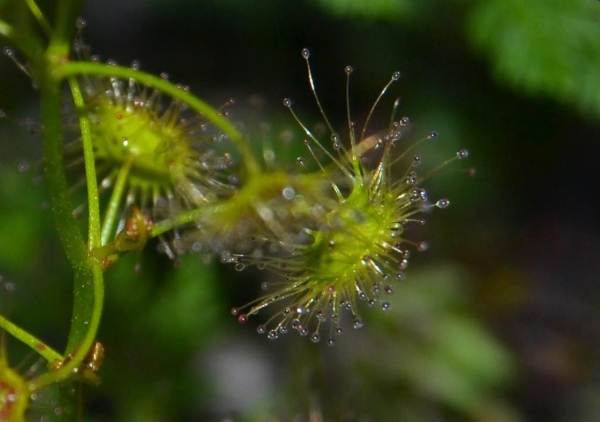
(34, 343)
(100, 69)
(37, 13)
(90, 167)
(114, 205)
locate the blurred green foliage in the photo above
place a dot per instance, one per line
(547, 47)
(455, 346)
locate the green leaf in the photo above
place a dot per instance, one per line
(549, 47)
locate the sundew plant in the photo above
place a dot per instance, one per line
(329, 233)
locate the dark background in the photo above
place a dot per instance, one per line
(498, 321)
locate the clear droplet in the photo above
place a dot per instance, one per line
(288, 193)
(272, 335)
(462, 154)
(395, 76)
(287, 102)
(422, 246)
(80, 23)
(385, 306)
(442, 203)
(315, 337)
(261, 329)
(243, 318)
(433, 134)
(305, 53)
(357, 323)
(348, 70)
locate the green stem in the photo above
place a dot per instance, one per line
(34, 343)
(90, 167)
(37, 13)
(83, 331)
(114, 205)
(64, 25)
(54, 170)
(183, 218)
(100, 69)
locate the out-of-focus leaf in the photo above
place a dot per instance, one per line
(543, 46)
(435, 348)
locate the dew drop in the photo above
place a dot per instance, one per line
(358, 323)
(287, 102)
(235, 311)
(283, 329)
(23, 166)
(305, 53)
(164, 75)
(471, 172)
(348, 70)
(261, 329)
(239, 266)
(265, 286)
(288, 193)
(301, 310)
(442, 203)
(385, 306)
(337, 146)
(303, 330)
(404, 121)
(335, 137)
(272, 335)
(395, 76)
(402, 264)
(330, 342)
(339, 331)
(80, 23)
(433, 134)
(400, 276)
(300, 161)
(462, 154)
(135, 65)
(315, 337)
(243, 318)
(372, 303)
(416, 160)
(9, 51)
(389, 290)
(422, 246)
